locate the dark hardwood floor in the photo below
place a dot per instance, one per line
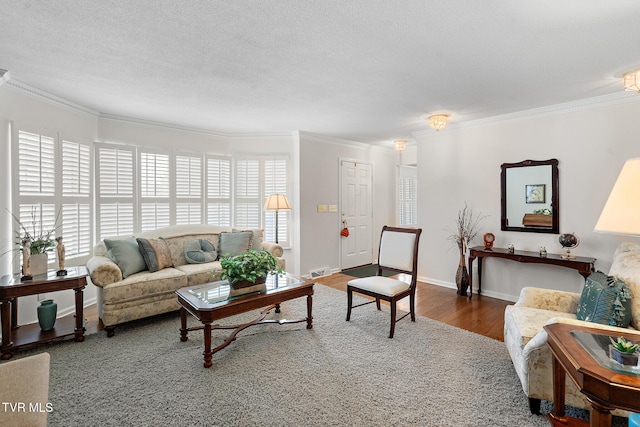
(482, 315)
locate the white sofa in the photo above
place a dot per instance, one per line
(144, 293)
(526, 339)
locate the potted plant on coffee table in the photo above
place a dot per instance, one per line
(248, 268)
(624, 352)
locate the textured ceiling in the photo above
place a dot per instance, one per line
(364, 70)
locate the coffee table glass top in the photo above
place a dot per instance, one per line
(218, 292)
(598, 347)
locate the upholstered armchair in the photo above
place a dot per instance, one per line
(526, 339)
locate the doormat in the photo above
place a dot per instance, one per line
(367, 271)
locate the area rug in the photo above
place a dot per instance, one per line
(337, 374)
(366, 271)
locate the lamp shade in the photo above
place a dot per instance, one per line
(621, 213)
(277, 202)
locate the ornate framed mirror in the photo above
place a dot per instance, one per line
(529, 196)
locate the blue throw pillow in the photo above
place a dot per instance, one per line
(126, 254)
(605, 300)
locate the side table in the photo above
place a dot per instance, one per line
(15, 336)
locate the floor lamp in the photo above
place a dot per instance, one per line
(275, 203)
(621, 213)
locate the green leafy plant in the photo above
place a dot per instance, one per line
(545, 211)
(248, 266)
(625, 346)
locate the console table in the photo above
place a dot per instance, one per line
(584, 265)
(15, 336)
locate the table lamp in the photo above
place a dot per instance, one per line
(621, 213)
(275, 203)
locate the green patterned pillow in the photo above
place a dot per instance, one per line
(605, 300)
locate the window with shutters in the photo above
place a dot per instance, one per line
(407, 196)
(155, 206)
(218, 190)
(247, 200)
(115, 190)
(54, 190)
(188, 181)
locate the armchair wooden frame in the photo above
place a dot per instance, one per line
(392, 255)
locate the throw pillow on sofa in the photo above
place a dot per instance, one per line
(126, 254)
(156, 254)
(605, 300)
(199, 251)
(232, 244)
(258, 237)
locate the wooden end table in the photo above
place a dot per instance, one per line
(214, 301)
(12, 287)
(580, 353)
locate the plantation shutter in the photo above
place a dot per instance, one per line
(407, 196)
(188, 189)
(76, 199)
(218, 200)
(275, 182)
(247, 201)
(115, 201)
(155, 207)
(36, 208)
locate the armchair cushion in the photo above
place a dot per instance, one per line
(605, 300)
(380, 285)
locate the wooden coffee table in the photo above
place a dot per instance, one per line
(214, 301)
(580, 352)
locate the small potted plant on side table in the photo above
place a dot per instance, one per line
(624, 352)
(245, 272)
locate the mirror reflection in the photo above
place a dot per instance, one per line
(529, 196)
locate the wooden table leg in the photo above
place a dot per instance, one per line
(183, 324)
(5, 318)
(208, 354)
(309, 310)
(559, 378)
(599, 416)
(79, 331)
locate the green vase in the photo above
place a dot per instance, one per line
(47, 311)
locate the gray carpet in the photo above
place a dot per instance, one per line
(337, 374)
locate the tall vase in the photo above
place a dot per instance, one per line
(47, 311)
(462, 275)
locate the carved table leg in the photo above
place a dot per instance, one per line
(208, 354)
(599, 416)
(309, 310)
(5, 314)
(79, 331)
(183, 324)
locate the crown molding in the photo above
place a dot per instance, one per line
(541, 112)
(51, 99)
(323, 139)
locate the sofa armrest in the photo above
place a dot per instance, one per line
(274, 249)
(103, 271)
(549, 299)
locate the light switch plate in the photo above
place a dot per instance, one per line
(322, 208)
(333, 208)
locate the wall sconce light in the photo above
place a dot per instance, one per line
(399, 144)
(438, 121)
(632, 81)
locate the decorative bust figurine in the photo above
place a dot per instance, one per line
(26, 259)
(60, 248)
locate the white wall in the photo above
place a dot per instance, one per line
(463, 164)
(319, 184)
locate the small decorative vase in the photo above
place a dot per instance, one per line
(47, 311)
(627, 359)
(39, 264)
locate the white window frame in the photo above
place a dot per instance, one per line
(407, 196)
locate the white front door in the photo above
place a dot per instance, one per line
(357, 213)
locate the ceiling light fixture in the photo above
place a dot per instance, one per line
(632, 81)
(438, 121)
(400, 144)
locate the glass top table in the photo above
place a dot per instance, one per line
(597, 345)
(215, 293)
